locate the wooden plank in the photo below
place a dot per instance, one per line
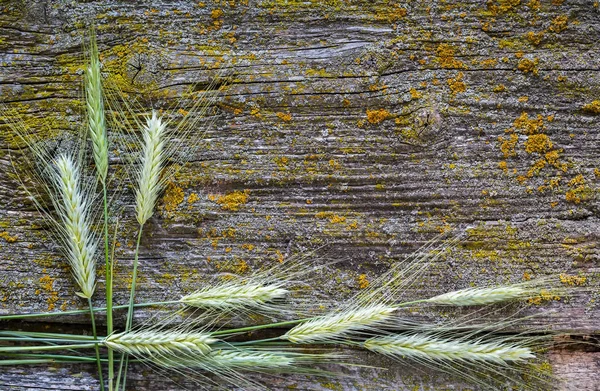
(358, 130)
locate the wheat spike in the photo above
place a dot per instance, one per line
(248, 359)
(430, 348)
(482, 296)
(165, 344)
(76, 229)
(339, 324)
(95, 111)
(149, 184)
(234, 296)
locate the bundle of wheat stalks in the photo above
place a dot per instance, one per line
(375, 320)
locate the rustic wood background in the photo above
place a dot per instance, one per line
(355, 129)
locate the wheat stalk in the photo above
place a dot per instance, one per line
(339, 324)
(76, 230)
(149, 184)
(234, 296)
(430, 348)
(169, 344)
(95, 110)
(481, 296)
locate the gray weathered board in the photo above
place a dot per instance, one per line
(355, 130)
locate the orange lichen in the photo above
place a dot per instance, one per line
(377, 116)
(173, 197)
(287, 117)
(415, 94)
(457, 85)
(193, 197)
(363, 282)
(232, 201)
(47, 284)
(559, 24)
(392, 15)
(499, 88)
(572, 280)
(526, 65)
(507, 146)
(535, 38)
(592, 107)
(538, 143)
(446, 59)
(529, 126)
(8, 238)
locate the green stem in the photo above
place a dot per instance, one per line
(27, 362)
(133, 280)
(86, 311)
(125, 357)
(260, 327)
(10, 349)
(108, 288)
(96, 346)
(33, 334)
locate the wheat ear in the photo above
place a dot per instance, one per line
(482, 296)
(73, 211)
(339, 324)
(234, 296)
(165, 344)
(149, 184)
(95, 111)
(433, 349)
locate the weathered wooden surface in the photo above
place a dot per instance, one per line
(368, 125)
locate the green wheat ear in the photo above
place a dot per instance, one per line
(73, 209)
(95, 111)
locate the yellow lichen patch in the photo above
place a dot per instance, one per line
(507, 146)
(363, 282)
(592, 107)
(47, 285)
(193, 197)
(446, 58)
(523, 99)
(456, 84)
(377, 116)
(232, 201)
(559, 24)
(415, 94)
(529, 126)
(579, 190)
(535, 38)
(173, 197)
(543, 297)
(286, 117)
(248, 246)
(8, 238)
(572, 280)
(333, 218)
(526, 65)
(503, 166)
(499, 88)
(392, 14)
(538, 143)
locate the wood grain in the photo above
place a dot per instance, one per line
(357, 130)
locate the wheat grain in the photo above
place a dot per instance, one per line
(149, 184)
(234, 296)
(481, 296)
(95, 111)
(76, 230)
(339, 324)
(166, 344)
(429, 348)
